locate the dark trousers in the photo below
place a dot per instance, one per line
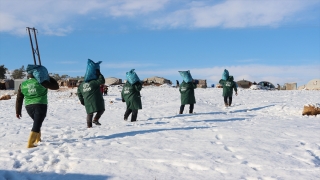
(96, 117)
(226, 100)
(37, 112)
(133, 116)
(190, 109)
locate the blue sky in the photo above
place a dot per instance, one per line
(256, 40)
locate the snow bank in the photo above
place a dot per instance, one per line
(262, 136)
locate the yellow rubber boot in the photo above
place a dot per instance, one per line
(32, 139)
(38, 138)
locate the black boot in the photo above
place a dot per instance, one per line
(96, 122)
(230, 101)
(191, 108)
(126, 114)
(181, 109)
(89, 120)
(134, 115)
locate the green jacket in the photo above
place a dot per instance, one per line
(89, 93)
(34, 92)
(131, 95)
(31, 98)
(228, 86)
(187, 93)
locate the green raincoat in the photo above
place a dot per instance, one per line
(187, 93)
(228, 86)
(131, 95)
(90, 94)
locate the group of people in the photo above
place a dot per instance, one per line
(104, 89)
(90, 95)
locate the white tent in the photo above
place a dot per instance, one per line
(158, 80)
(113, 81)
(313, 85)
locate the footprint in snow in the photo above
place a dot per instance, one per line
(228, 149)
(219, 136)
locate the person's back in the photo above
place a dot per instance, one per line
(90, 96)
(228, 86)
(131, 95)
(35, 99)
(187, 96)
(187, 93)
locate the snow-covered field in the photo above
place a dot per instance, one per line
(263, 136)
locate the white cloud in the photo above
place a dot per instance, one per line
(60, 17)
(136, 7)
(128, 65)
(275, 74)
(235, 14)
(54, 17)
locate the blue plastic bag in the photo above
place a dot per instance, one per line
(186, 76)
(91, 70)
(225, 75)
(132, 77)
(39, 72)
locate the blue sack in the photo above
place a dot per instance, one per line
(186, 76)
(91, 70)
(225, 75)
(39, 72)
(132, 76)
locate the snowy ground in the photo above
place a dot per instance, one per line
(263, 136)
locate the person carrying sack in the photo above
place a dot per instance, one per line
(90, 96)
(187, 95)
(131, 95)
(35, 99)
(228, 86)
(186, 90)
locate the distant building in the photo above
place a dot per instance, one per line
(290, 86)
(113, 81)
(155, 80)
(244, 84)
(314, 84)
(201, 83)
(6, 84)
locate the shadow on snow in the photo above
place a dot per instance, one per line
(6, 174)
(133, 133)
(221, 120)
(213, 113)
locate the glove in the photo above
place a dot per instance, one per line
(98, 72)
(123, 100)
(82, 102)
